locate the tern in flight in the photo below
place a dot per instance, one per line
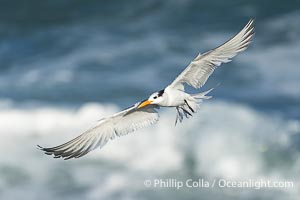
(144, 113)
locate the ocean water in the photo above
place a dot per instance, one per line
(66, 64)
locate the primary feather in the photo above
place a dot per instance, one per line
(199, 70)
(119, 124)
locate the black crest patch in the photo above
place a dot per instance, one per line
(161, 92)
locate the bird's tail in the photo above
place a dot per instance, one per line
(198, 98)
(202, 95)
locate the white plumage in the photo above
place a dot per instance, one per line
(119, 124)
(199, 70)
(144, 113)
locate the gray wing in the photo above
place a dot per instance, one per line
(199, 70)
(119, 124)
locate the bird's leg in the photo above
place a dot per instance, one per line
(181, 112)
(176, 118)
(186, 113)
(189, 106)
(179, 115)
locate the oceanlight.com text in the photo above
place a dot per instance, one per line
(217, 183)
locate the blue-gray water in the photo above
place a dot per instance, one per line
(66, 64)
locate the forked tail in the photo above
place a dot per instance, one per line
(202, 95)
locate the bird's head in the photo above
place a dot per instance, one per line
(155, 98)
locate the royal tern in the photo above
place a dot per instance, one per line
(144, 113)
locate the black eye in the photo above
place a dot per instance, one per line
(155, 97)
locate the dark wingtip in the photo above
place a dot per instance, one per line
(49, 152)
(58, 156)
(39, 147)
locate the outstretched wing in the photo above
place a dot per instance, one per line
(199, 70)
(119, 124)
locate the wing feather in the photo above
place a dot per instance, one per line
(122, 123)
(199, 70)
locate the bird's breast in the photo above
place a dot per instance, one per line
(173, 98)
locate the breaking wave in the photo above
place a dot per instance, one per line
(223, 140)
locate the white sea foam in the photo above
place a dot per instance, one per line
(226, 140)
(217, 124)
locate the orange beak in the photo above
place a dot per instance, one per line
(144, 103)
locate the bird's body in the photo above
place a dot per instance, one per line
(144, 113)
(173, 98)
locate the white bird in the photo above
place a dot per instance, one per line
(144, 113)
